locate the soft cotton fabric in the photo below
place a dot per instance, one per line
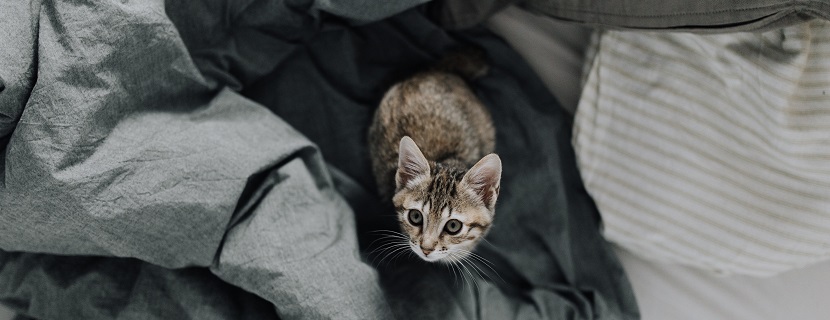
(680, 292)
(711, 151)
(704, 16)
(190, 160)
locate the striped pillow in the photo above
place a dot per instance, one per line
(711, 150)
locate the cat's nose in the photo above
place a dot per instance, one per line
(427, 251)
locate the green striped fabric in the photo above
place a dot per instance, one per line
(711, 150)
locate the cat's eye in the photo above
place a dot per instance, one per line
(453, 226)
(415, 217)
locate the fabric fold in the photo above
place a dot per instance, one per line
(139, 183)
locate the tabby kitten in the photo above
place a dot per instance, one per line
(444, 192)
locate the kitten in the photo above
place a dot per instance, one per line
(444, 192)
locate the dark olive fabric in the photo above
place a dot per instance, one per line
(462, 14)
(549, 260)
(139, 183)
(704, 16)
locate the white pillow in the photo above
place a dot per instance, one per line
(711, 150)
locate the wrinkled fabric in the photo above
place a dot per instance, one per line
(547, 258)
(718, 157)
(138, 183)
(702, 16)
(58, 287)
(123, 148)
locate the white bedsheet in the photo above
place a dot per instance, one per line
(666, 291)
(669, 291)
(554, 49)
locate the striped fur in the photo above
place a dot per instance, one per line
(451, 176)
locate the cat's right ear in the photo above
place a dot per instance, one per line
(412, 165)
(485, 179)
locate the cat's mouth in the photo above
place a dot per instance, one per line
(431, 257)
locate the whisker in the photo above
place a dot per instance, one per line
(480, 272)
(488, 242)
(457, 268)
(387, 231)
(384, 254)
(386, 237)
(387, 248)
(460, 274)
(448, 264)
(485, 262)
(389, 241)
(467, 269)
(391, 252)
(456, 272)
(465, 274)
(398, 255)
(390, 246)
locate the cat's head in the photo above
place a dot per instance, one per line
(445, 210)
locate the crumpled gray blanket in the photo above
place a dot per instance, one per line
(152, 169)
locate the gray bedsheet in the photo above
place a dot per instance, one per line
(152, 169)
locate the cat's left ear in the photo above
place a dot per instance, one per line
(485, 179)
(412, 165)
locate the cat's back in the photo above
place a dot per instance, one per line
(439, 111)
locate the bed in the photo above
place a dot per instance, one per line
(207, 160)
(664, 290)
